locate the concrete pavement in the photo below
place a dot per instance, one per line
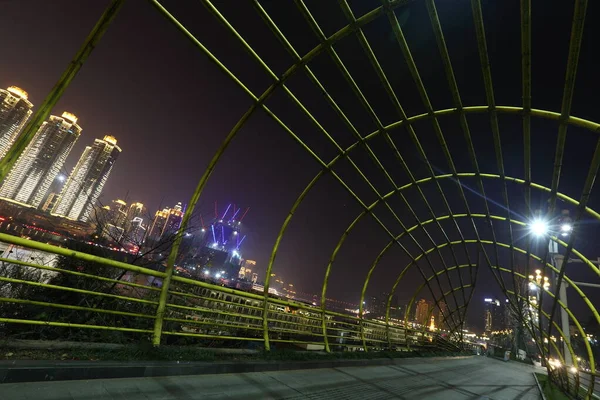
(447, 379)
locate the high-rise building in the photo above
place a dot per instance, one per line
(422, 312)
(41, 161)
(15, 110)
(134, 222)
(137, 231)
(50, 202)
(84, 185)
(494, 315)
(246, 269)
(136, 210)
(173, 220)
(165, 223)
(118, 213)
(158, 225)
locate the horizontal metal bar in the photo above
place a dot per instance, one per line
(76, 273)
(31, 244)
(70, 325)
(70, 289)
(594, 285)
(71, 307)
(200, 335)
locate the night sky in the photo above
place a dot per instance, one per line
(170, 108)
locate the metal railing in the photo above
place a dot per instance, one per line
(79, 291)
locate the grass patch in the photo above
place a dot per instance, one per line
(551, 391)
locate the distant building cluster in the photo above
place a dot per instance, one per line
(29, 181)
(35, 182)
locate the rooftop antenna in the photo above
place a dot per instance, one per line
(226, 211)
(235, 213)
(245, 212)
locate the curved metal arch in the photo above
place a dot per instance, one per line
(547, 335)
(437, 219)
(461, 112)
(420, 288)
(548, 316)
(522, 251)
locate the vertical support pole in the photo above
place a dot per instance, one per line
(324, 330)
(564, 319)
(362, 329)
(59, 88)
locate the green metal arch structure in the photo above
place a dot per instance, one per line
(443, 250)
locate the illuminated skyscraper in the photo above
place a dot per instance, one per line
(87, 179)
(41, 161)
(493, 315)
(422, 312)
(118, 213)
(165, 223)
(158, 225)
(15, 110)
(173, 220)
(135, 212)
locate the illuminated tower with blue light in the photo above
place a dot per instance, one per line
(223, 239)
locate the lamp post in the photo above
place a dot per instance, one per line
(564, 227)
(534, 283)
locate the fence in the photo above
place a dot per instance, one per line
(120, 302)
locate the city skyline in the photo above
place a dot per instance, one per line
(171, 124)
(40, 163)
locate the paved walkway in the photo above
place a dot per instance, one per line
(446, 379)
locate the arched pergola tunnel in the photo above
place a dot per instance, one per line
(440, 238)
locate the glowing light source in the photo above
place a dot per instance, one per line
(110, 139)
(565, 229)
(61, 178)
(18, 92)
(573, 370)
(538, 227)
(70, 117)
(218, 275)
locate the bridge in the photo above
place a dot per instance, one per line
(447, 181)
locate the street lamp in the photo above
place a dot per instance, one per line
(538, 227)
(566, 229)
(563, 226)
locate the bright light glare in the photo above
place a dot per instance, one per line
(61, 178)
(573, 370)
(566, 229)
(554, 363)
(532, 286)
(539, 227)
(218, 275)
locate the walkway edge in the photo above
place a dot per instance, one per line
(32, 371)
(539, 386)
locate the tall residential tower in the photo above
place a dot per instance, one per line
(15, 110)
(84, 185)
(41, 161)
